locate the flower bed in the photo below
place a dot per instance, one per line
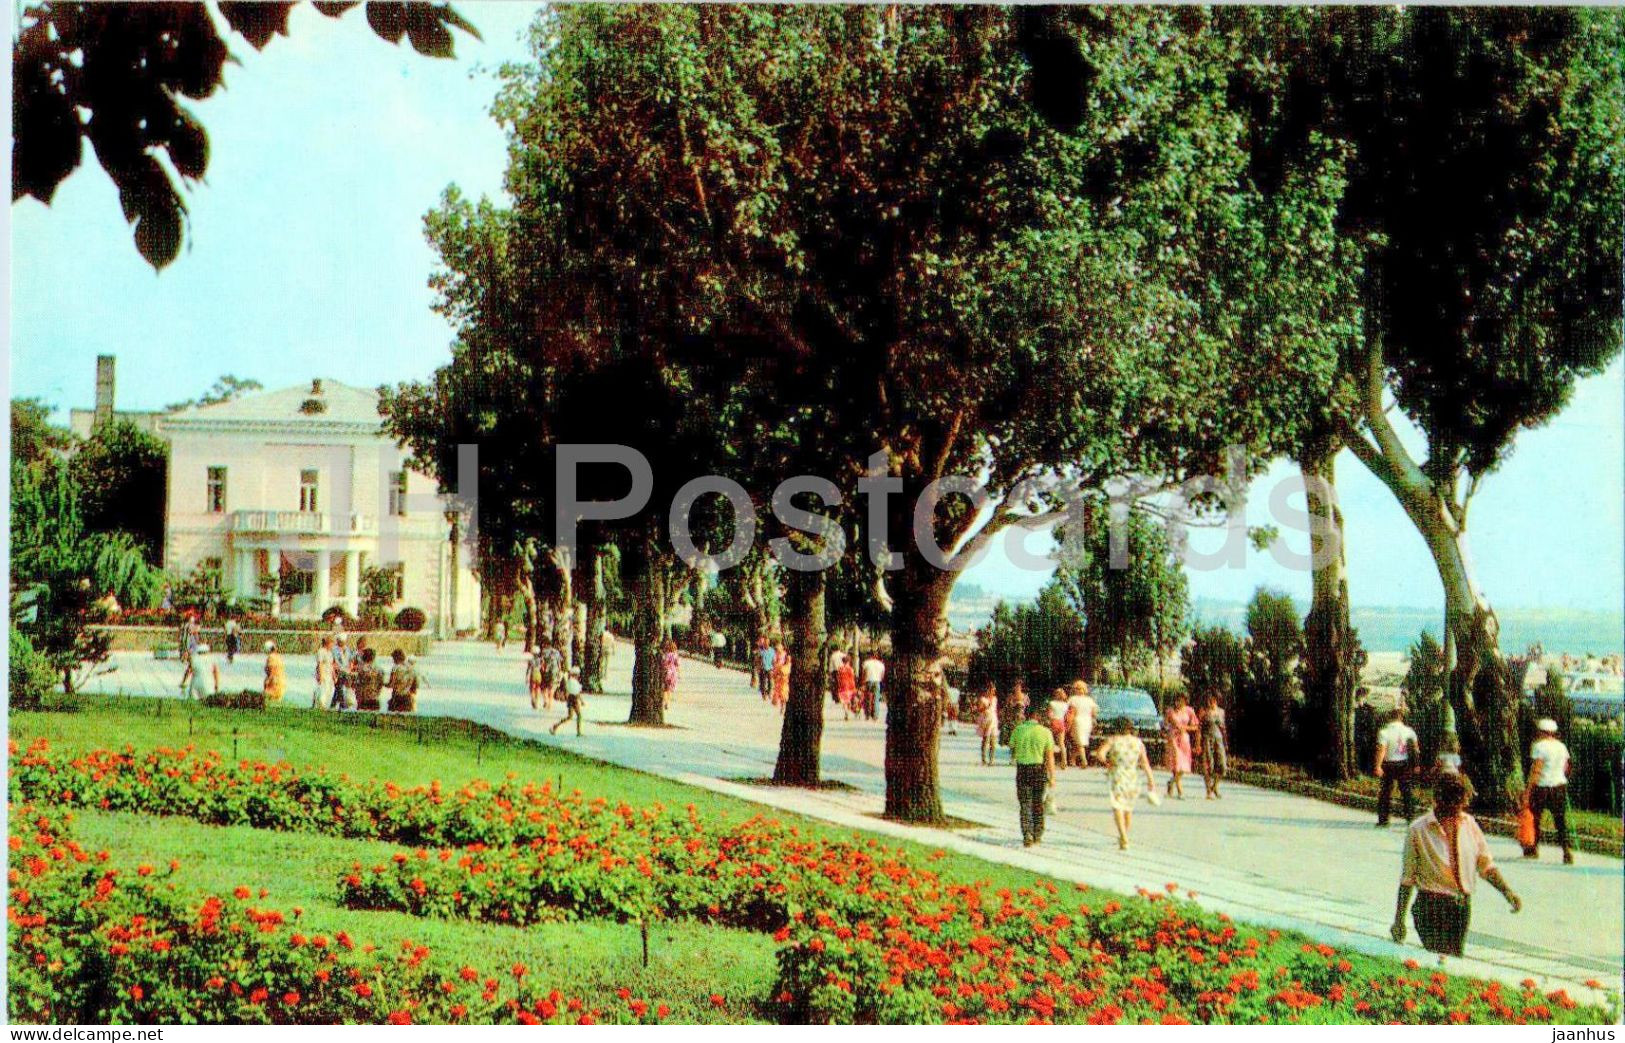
(867, 933)
(91, 945)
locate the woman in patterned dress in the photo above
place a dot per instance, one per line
(1126, 764)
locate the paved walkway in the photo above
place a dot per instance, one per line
(1259, 855)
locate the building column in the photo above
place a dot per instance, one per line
(352, 582)
(324, 565)
(248, 581)
(273, 564)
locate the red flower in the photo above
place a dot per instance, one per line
(136, 992)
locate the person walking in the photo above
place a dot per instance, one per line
(1059, 713)
(987, 722)
(205, 679)
(846, 690)
(1445, 854)
(403, 684)
(326, 673)
(765, 658)
(1126, 764)
(1032, 747)
(574, 702)
(719, 645)
(1397, 748)
(1549, 787)
(1082, 715)
(500, 632)
(1215, 747)
(671, 669)
(780, 672)
(1179, 725)
(367, 680)
(234, 640)
(343, 664)
(551, 667)
(874, 675)
(276, 674)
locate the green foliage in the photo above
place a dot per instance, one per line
(410, 619)
(1268, 705)
(1134, 609)
(1428, 709)
(127, 67)
(1213, 664)
(31, 676)
(68, 570)
(33, 436)
(121, 474)
(226, 389)
(1039, 644)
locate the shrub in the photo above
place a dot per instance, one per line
(247, 699)
(1211, 664)
(31, 673)
(338, 612)
(411, 619)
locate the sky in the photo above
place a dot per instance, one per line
(306, 258)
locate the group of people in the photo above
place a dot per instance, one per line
(348, 677)
(547, 679)
(1193, 739)
(1038, 753)
(200, 671)
(857, 689)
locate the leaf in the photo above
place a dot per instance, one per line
(152, 205)
(188, 145)
(257, 21)
(46, 146)
(428, 36)
(333, 10)
(387, 18)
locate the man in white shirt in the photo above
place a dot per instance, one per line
(1397, 750)
(1445, 854)
(874, 672)
(719, 645)
(1084, 710)
(1549, 786)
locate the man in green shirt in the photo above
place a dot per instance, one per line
(1032, 746)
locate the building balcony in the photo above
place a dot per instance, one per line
(310, 523)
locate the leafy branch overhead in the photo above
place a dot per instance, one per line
(115, 74)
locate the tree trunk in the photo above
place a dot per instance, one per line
(803, 729)
(647, 576)
(589, 586)
(561, 606)
(527, 591)
(919, 629)
(1332, 654)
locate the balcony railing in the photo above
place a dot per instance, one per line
(316, 523)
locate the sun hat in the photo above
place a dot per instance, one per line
(1546, 724)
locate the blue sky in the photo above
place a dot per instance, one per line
(306, 257)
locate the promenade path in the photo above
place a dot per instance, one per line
(1258, 855)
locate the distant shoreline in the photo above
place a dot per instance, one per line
(1385, 628)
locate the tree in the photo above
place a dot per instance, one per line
(33, 437)
(1213, 664)
(1484, 169)
(1041, 644)
(120, 472)
(1427, 679)
(114, 74)
(1267, 706)
(1134, 607)
(65, 570)
(228, 388)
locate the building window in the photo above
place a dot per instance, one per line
(307, 491)
(215, 496)
(397, 493)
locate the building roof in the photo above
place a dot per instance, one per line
(320, 404)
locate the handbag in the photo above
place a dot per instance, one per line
(1526, 828)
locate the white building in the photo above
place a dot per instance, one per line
(304, 482)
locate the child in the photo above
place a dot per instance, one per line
(574, 701)
(533, 676)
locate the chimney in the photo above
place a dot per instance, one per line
(316, 386)
(104, 391)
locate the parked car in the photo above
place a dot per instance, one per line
(1135, 704)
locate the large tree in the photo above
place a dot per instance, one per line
(867, 193)
(1485, 159)
(120, 472)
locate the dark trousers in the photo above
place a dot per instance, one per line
(1031, 780)
(716, 658)
(1395, 774)
(871, 695)
(1556, 800)
(764, 681)
(1441, 921)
